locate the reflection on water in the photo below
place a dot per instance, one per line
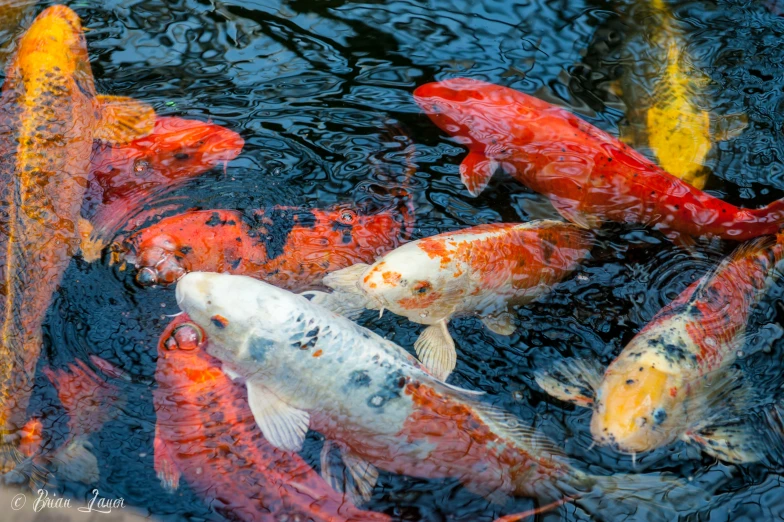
(321, 94)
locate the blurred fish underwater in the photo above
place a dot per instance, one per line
(308, 105)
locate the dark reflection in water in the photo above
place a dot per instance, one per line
(321, 93)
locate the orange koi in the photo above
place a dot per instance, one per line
(50, 115)
(589, 176)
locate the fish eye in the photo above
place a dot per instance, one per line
(348, 216)
(422, 287)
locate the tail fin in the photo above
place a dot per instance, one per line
(651, 497)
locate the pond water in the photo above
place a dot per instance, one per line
(321, 93)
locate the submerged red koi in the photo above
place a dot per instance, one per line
(123, 178)
(588, 175)
(89, 401)
(286, 246)
(206, 433)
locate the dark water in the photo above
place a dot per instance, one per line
(318, 90)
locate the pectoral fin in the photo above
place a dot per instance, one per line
(736, 443)
(282, 425)
(346, 279)
(501, 323)
(728, 126)
(347, 305)
(348, 473)
(569, 210)
(75, 461)
(123, 119)
(572, 381)
(436, 350)
(476, 171)
(91, 248)
(165, 468)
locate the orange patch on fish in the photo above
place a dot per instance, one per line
(318, 353)
(391, 278)
(435, 247)
(219, 321)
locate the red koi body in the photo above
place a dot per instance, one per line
(286, 246)
(206, 433)
(588, 175)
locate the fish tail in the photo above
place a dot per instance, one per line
(654, 497)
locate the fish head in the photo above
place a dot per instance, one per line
(159, 253)
(176, 149)
(55, 42)
(182, 361)
(481, 115)
(635, 407)
(242, 317)
(414, 283)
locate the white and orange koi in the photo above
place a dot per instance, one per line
(484, 270)
(307, 367)
(673, 380)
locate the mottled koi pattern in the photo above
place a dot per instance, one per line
(205, 432)
(588, 175)
(50, 115)
(287, 246)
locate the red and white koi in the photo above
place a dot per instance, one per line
(484, 270)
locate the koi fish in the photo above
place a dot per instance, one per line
(378, 408)
(90, 402)
(664, 102)
(483, 270)
(287, 246)
(49, 117)
(673, 380)
(205, 432)
(123, 178)
(589, 176)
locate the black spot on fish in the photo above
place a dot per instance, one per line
(258, 347)
(359, 379)
(234, 263)
(273, 227)
(389, 390)
(186, 250)
(219, 321)
(214, 220)
(629, 382)
(313, 333)
(181, 156)
(659, 415)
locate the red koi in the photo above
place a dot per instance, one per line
(286, 246)
(122, 178)
(206, 432)
(588, 175)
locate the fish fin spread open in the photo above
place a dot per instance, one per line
(436, 350)
(527, 436)
(501, 323)
(348, 473)
(282, 425)
(123, 119)
(573, 381)
(476, 171)
(75, 461)
(345, 279)
(342, 303)
(736, 443)
(231, 374)
(728, 126)
(165, 468)
(569, 211)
